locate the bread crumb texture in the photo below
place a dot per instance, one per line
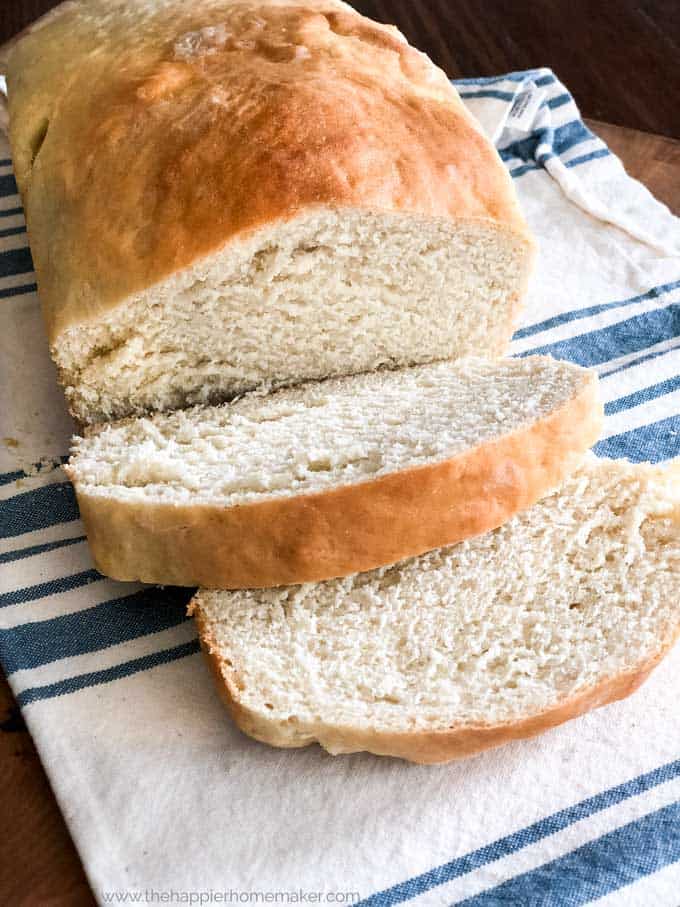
(322, 435)
(581, 589)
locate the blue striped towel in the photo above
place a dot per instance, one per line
(164, 797)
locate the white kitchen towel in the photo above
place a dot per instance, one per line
(168, 803)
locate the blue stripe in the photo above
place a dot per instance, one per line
(10, 212)
(8, 185)
(584, 158)
(6, 478)
(520, 171)
(12, 231)
(599, 867)
(15, 261)
(108, 624)
(9, 556)
(36, 468)
(654, 443)
(18, 291)
(559, 101)
(560, 140)
(569, 135)
(73, 684)
(518, 840)
(575, 314)
(518, 76)
(639, 360)
(620, 339)
(38, 509)
(526, 168)
(51, 587)
(5, 162)
(642, 396)
(488, 93)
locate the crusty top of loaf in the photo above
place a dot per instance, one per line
(148, 133)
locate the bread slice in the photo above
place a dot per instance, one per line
(330, 478)
(222, 196)
(566, 607)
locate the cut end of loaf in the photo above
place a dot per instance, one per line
(566, 607)
(334, 292)
(223, 196)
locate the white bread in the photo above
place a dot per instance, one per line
(566, 607)
(227, 195)
(332, 477)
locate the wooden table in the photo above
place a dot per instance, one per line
(38, 863)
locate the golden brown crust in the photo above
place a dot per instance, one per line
(122, 111)
(420, 746)
(348, 529)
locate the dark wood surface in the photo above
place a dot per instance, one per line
(652, 159)
(620, 59)
(39, 866)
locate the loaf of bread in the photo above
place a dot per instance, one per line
(330, 477)
(226, 195)
(566, 607)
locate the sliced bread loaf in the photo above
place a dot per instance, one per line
(566, 607)
(330, 477)
(224, 195)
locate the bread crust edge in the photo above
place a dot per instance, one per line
(345, 530)
(424, 747)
